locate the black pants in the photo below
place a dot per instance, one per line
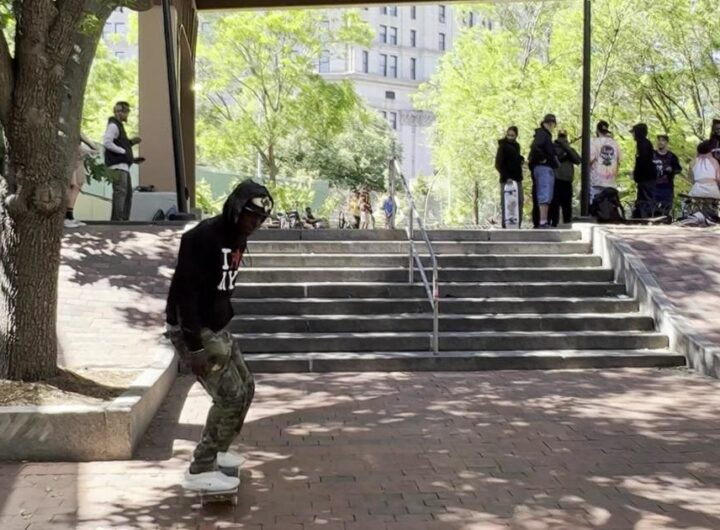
(562, 201)
(645, 201)
(535, 207)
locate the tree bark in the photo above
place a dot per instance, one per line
(54, 55)
(476, 200)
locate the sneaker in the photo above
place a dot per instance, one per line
(79, 223)
(70, 223)
(210, 481)
(230, 459)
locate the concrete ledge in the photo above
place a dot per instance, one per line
(80, 433)
(702, 355)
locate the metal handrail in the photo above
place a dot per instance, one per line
(431, 289)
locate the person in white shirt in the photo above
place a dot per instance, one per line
(604, 160)
(118, 158)
(77, 179)
(705, 173)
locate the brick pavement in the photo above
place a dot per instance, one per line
(111, 296)
(686, 263)
(624, 449)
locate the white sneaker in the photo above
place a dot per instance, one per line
(70, 223)
(230, 459)
(210, 481)
(79, 223)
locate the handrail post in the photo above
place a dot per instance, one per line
(411, 235)
(436, 319)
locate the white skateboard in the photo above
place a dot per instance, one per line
(231, 495)
(511, 212)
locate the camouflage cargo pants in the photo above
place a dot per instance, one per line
(231, 386)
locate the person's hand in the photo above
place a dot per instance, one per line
(136, 140)
(139, 160)
(200, 363)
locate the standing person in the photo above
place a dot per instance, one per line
(77, 180)
(605, 160)
(354, 208)
(667, 166)
(715, 139)
(509, 164)
(564, 176)
(543, 162)
(705, 173)
(644, 173)
(118, 158)
(389, 207)
(199, 309)
(365, 211)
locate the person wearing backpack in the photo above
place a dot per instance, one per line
(564, 176)
(543, 163)
(644, 173)
(509, 164)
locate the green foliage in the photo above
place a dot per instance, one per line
(653, 60)
(110, 80)
(356, 157)
(204, 199)
(258, 73)
(291, 195)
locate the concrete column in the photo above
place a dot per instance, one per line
(154, 103)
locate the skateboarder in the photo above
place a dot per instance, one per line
(199, 310)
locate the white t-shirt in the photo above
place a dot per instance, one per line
(604, 162)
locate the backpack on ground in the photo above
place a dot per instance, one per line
(607, 208)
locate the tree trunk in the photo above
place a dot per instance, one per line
(272, 165)
(42, 135)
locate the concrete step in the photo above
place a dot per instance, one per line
(461, 361)
(424, 322)
(401, 247)
(398, 274)
(375, 306)
(400, 235)
(417, 290)
(454, 341)
(399, 260)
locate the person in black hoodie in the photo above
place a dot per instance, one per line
(543, 161)
(509, 163)
(199, 308)
(644, 173)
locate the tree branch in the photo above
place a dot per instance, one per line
(7, 79)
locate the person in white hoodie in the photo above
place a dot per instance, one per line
(705, 173)
(605, 160)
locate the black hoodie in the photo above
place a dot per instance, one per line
(208, 262)
(542, 150)
(509, 161)
(645, 169)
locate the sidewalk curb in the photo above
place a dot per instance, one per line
(702, 355)
(80, 433)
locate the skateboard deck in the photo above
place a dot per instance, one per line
(511, 211)
(226, 496)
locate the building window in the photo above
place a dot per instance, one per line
(392, 11)
(413, 12)
(413, 38)
(120, 55)
(383, 114)
(365, 62)
(441, 42)
(471, 20)
(442, 11)
(383, 34)
(413, 68)
(393, 120)
(108, 29)
(389, 94)
(205, 27)
(383, 65)
(393, 66)
(383, 10)
(490, 25)
(324, 63)
(393, 36)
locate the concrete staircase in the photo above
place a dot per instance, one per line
(340, 301)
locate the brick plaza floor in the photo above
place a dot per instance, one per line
(622, 449)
